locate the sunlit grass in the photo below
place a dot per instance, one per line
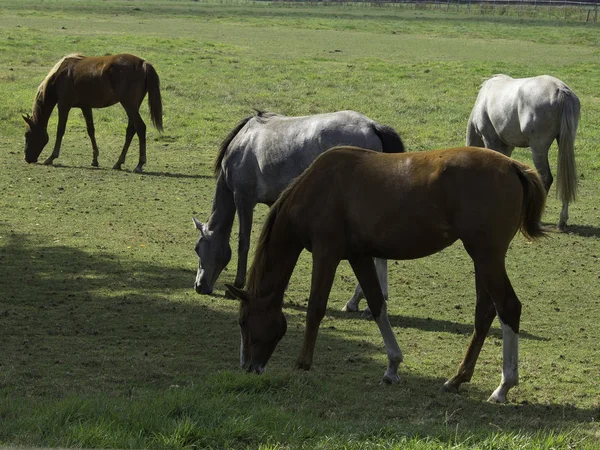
(105, 343)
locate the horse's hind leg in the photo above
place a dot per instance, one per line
(365, 271)
(508, 307)
(128, 138)
(89, 123)
(382, 274)
(484, 315)
(539, 154)
(63, 115)
(140, 128)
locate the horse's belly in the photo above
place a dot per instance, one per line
(409, 244)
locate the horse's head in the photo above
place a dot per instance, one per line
(214, 254)
(36, 138)
(262, 326)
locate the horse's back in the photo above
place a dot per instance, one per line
(412, 204)
(513, 109)
(270, 151)
(102, 81)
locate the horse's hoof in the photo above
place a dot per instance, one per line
(497, 398)
(449, 387)
(229, 295)
(117, 167)
(366, 314)
(391, 379)
(562, 227)
(302, 365)
(48, 162)
(138, 169)
(349, 308)
(95, 164)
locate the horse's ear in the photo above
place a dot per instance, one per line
(197, 224)
(28, 120)
(237, 293)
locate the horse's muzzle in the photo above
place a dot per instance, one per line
(202, 289)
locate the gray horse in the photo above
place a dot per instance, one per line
(257, 161)
(530, 112)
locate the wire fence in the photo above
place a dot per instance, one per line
(580, 11)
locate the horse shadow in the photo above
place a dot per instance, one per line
(160, 174)
(584, 230)
(427, 324)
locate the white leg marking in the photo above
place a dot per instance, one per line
(352, 305)
(391, 346)
(510, 364)
(382, 276)
(564, 217)
(382, 273)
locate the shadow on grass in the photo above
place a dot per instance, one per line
(77, 325)
(584, 230)
(147, 173)
(424, 324)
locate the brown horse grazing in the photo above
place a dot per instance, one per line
(77, 81)
(356, 204)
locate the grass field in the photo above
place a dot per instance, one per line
(104, 343)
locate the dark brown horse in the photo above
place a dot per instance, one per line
(77, 81)
(357, 204)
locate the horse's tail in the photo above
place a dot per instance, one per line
(225, 144)
(390, 140)
(534, 201)
(569, 119)
(154, 97)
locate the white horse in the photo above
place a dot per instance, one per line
(530, 112)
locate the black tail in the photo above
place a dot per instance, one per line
(154, 98)
(390, 140)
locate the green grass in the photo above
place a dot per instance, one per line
(104, 343)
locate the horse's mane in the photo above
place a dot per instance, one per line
(40, 96)
(261, 117)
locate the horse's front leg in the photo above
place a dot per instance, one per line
(89, 123)
(245, 211)
(365, 271)
(323, 274)
(63, 115)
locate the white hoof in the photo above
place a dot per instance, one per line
(349, 307)
(498, 396)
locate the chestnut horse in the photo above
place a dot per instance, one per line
(77, 81)
(357, 204)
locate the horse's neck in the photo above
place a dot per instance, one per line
(223, 208)
(277, 260)
(43, 106)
